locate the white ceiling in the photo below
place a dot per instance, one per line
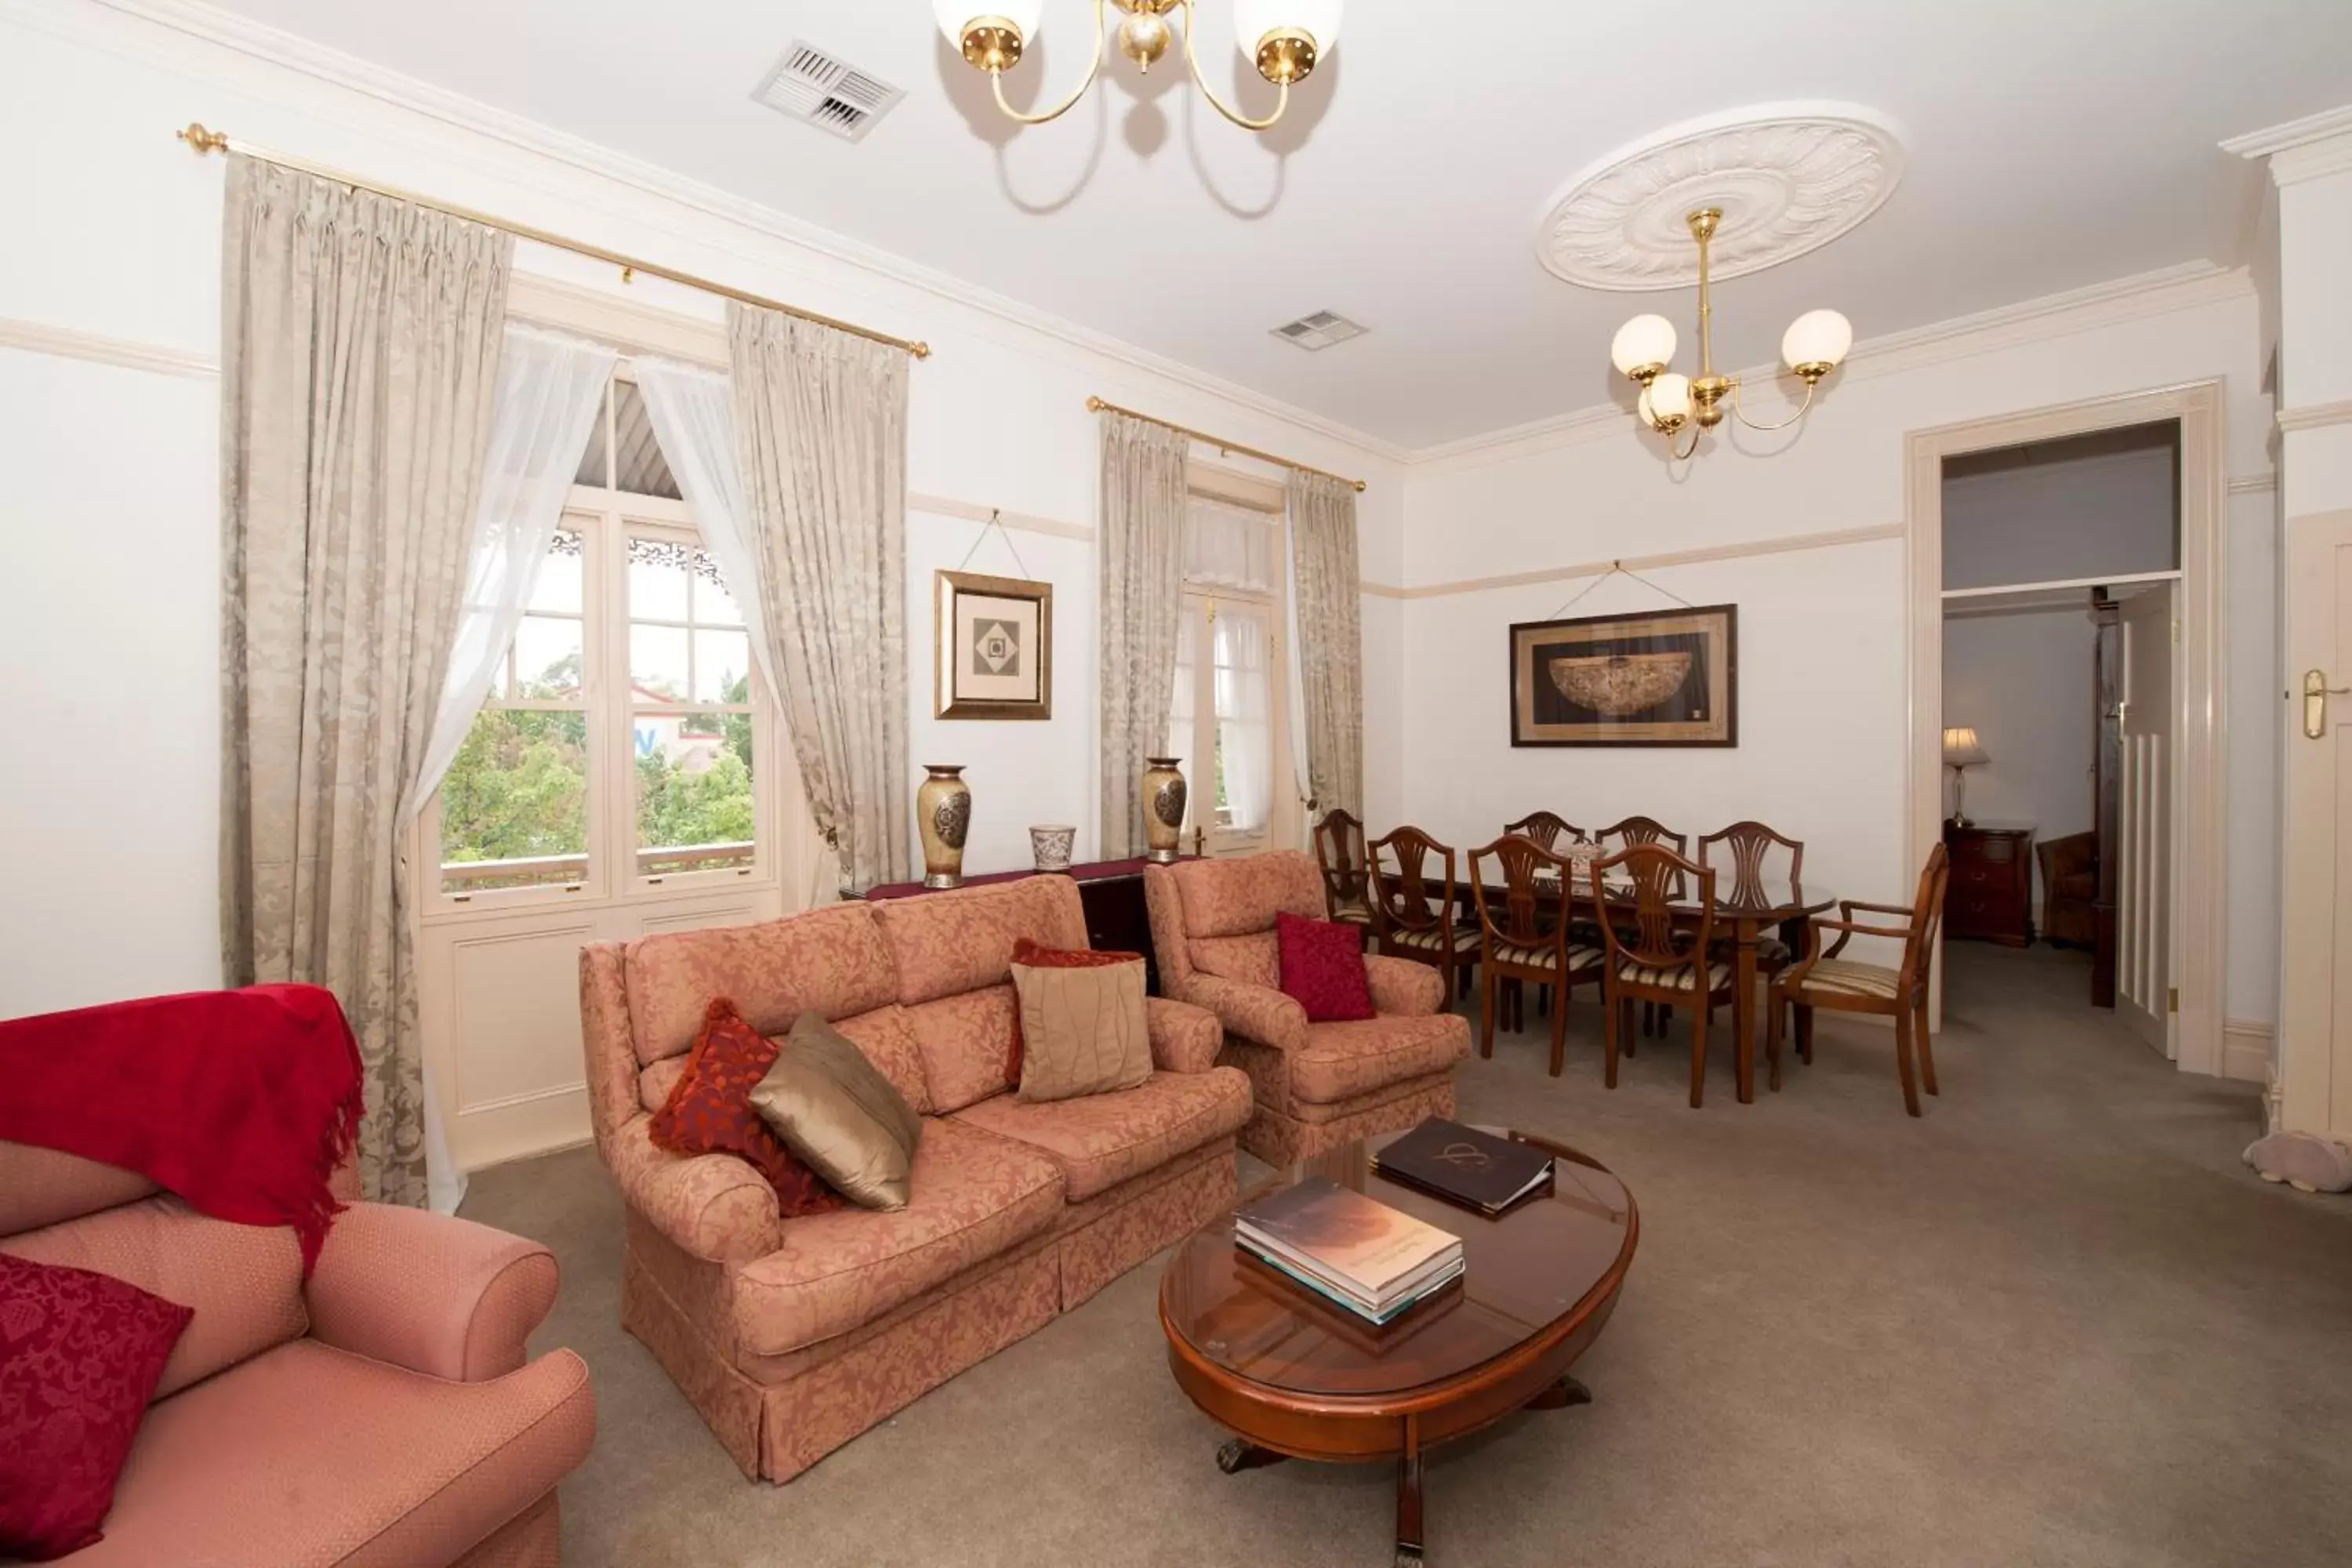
(2051, 145)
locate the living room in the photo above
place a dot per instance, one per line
(1380, 357)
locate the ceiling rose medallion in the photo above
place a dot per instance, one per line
(1284, 38)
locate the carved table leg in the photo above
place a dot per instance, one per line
(1561, 1395)
(1238, 1454)
(1408, 1541)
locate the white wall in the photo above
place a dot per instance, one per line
(107, 612)
(1823, 687)
(2116, 515)
(2024, 678)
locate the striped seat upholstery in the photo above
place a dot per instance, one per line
(1464, 939)
(1853, 979)
(1579, 958)
(1718, 975)
(1352, 915)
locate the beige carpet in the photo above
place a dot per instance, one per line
(2054, 1322)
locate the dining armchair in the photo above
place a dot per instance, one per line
(1340, 856)
(1525, 933)
(1755, 853)
(1416, 913)
(1652, 957)
(1823, 979)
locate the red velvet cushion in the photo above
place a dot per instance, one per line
(709, 1112)
(1030, 954)
(1323, 968)
(79, 1356)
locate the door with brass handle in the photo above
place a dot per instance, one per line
(2315, 693)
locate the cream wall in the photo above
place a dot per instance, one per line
(1822, 681)
(107, 611)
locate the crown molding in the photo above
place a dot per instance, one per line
(242, 34)
(64, 342)
(2315, 415)
(2121, 299)
(2293, 134)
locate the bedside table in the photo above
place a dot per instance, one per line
(1990, 895)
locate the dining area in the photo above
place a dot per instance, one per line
(1720, 930)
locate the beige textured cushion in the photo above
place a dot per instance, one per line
(834, 1108)
(1083, 1030)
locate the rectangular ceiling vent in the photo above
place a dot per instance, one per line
(1320, 331)
(810, 85)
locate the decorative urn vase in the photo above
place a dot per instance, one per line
(1164, 808)
(943, 807)
(1050, 846)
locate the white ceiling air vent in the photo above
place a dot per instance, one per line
(810, 85)
(1320, 331)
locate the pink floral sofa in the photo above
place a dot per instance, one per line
(1317, 1086)
(793, 1336)
(379, 1415)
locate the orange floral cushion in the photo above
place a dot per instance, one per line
(709, 1112)
(1029, 953)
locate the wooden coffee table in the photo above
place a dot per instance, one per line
(1297, 1377)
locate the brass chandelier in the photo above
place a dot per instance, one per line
(1814, 345)
(1284, 38)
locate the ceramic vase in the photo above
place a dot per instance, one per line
(943, 807)
(1164, 808)
(1050, 846)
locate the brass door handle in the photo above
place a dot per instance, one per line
(2315, 693)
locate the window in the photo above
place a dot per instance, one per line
(1226, 717)
(622, 750)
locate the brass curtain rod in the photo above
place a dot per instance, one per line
(203, 141)
(1097, 406)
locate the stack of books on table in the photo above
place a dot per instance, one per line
(1368, 1258)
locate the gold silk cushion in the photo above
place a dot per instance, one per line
(1083, 1030)
(834, 1108)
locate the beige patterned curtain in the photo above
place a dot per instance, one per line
(1142, 550)
(360, 340)
(821, 440)
(1329, 588)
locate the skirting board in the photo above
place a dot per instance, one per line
(2246, 1049)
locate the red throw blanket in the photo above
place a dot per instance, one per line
(243, 1103)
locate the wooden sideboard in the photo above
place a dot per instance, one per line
(1112, 892)
(1990, 896)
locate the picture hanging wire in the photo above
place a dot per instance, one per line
(1618, 569)
(997, 522)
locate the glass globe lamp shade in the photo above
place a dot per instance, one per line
(1817, 343)
(1318, 19)
(1669, 400)
(1646, 343)
(956, 17)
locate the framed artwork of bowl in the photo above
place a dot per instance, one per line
(1650, 679)
(995, 646)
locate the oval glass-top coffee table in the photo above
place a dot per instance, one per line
(1298, 1377)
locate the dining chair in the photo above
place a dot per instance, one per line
(1524, 933)
(1340, 856)
(1754, 851)
(1652, 957)
(1547, 828)
(1415, 915)
(1823, 979)
(1647, 830)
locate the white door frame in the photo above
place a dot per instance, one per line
(2200, 840)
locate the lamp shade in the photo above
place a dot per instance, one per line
(1669, 398)
(1962, 749)
(956, 16)
(1642, 344)
(1817, 337)
(1318, 19)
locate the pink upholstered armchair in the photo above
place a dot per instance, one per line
(1316, 1086)
(379, 1415)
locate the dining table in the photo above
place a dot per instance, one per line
(1748, 909)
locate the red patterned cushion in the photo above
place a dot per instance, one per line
(1029, 953)
(79, 1357)
(709, 1112)
(1323, 969)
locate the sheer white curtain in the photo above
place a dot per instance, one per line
(550, 387)
(1180, 731)
(1296, 686)
(1228, 546)
(1245, 735)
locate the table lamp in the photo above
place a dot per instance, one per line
(1962, 750)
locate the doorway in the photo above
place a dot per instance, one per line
(2065, 605)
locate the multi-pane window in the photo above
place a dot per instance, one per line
(621, 747)
(1221, 716)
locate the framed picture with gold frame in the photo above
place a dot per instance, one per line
(995, 645)
(1669, 679)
